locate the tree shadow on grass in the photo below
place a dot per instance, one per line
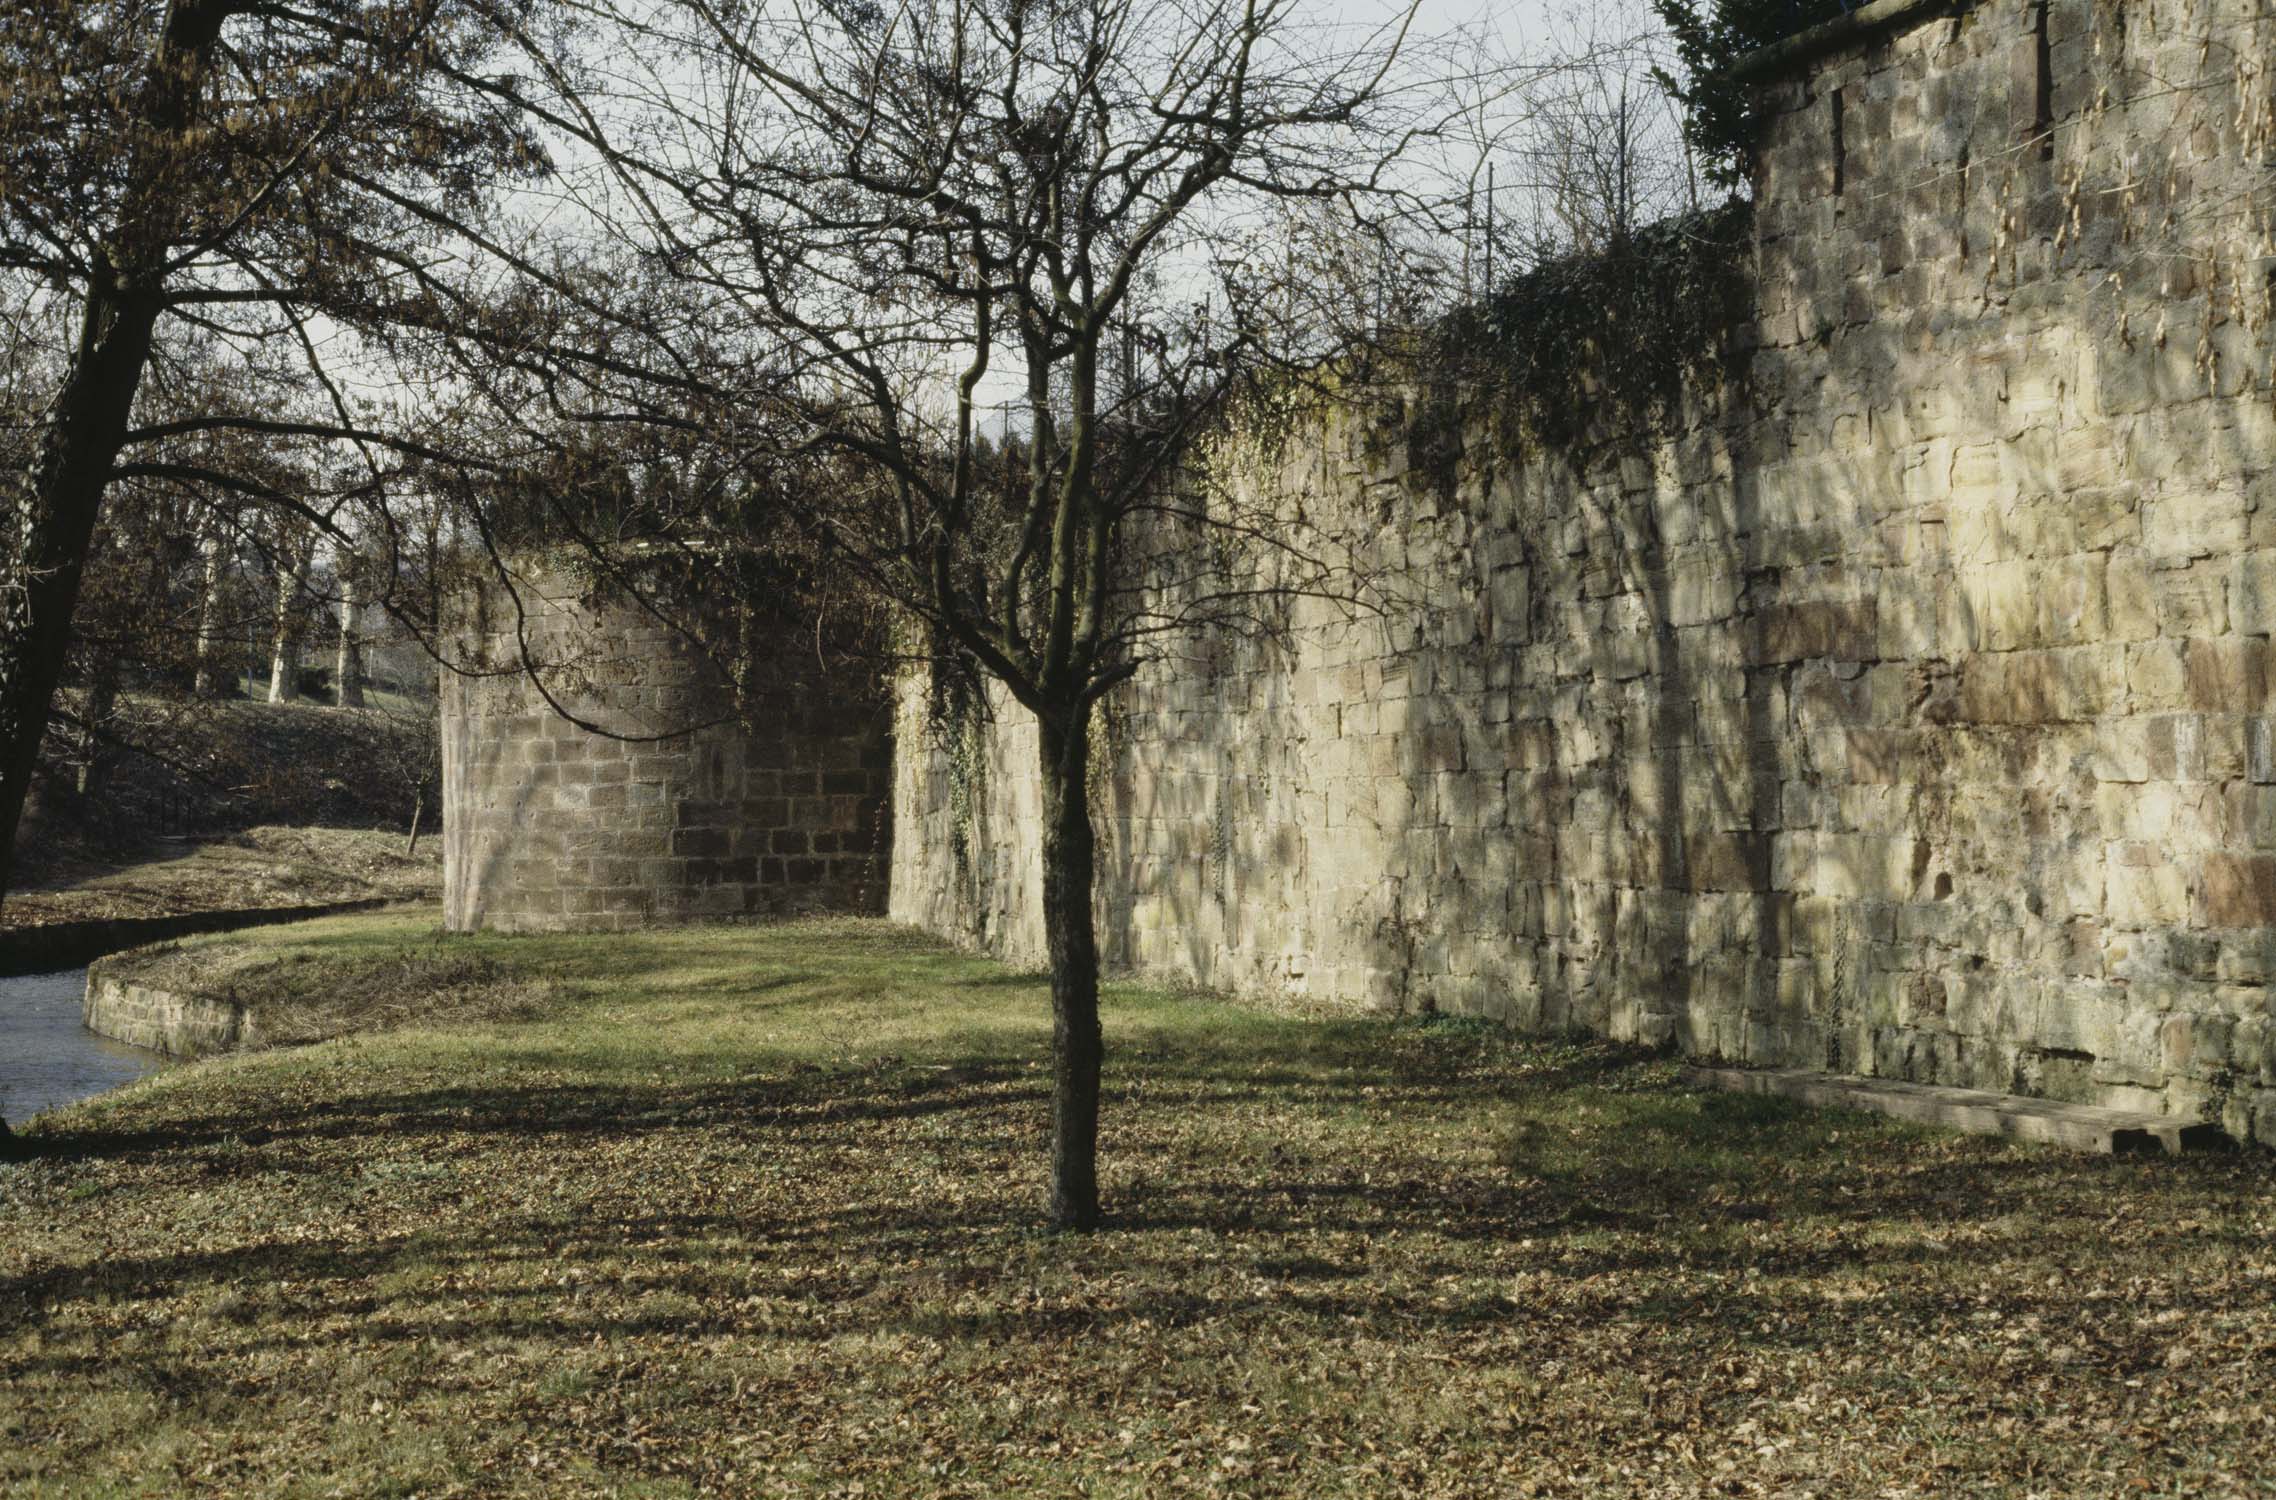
(884, 1265)
(1265, 1176)
(787, 1109)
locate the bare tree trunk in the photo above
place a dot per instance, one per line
(102, 702)
(209, 611)
(348, 671)
(55, 523)
(418, 811)
(1077, 1045)
(86, 427)
(284, 652)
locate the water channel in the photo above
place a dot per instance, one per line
(47, 1057)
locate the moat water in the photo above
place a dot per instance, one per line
(47, 1057)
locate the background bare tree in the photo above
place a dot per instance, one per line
(1598, 152)
(278, 191)
(1608, 156)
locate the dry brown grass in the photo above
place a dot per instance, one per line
(752, 1211)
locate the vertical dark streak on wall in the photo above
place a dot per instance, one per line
(1840, 146)
(1964, 199)
(2043, 109)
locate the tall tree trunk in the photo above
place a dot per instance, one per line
(55, 522)
(87, 422)
(209, 609)
(348, 671)
(1077, 1046)
(56, 516)
(284, 653)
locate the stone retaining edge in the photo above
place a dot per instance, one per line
(163, 1021)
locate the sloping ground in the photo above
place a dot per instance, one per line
(229, 765)
(231, 805)
(261, 867)
(752, 1211)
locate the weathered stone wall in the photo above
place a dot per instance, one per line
(1902, 706)
(683, 809)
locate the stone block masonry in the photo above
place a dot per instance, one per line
(179, 1025)
(1900, 705)
(690, 806)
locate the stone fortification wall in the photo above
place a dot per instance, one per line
(1899, 705)
(549, 826)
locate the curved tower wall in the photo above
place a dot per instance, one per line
(681, 810)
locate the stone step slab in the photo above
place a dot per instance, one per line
(2079, 1127)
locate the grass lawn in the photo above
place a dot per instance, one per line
(753, 1211)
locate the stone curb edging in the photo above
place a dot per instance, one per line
(176, 1024)
(67, 945)
(2080, 1127)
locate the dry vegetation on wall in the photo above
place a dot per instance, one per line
(1611, 343)
(750, 1212)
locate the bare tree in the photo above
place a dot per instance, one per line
(348, 666)
(1072, 225)
(1609, 162)
(213, 563)
(295, 551)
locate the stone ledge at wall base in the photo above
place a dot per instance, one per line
(67, 945)
(166, 1021)
(2079, 1127)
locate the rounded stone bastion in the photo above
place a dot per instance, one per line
(687, 801)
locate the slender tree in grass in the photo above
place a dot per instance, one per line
(992, 264)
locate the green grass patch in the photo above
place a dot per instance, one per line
(754, 1210)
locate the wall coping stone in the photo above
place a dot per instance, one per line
(1831, 36)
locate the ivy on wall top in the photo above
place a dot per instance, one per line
(1615, 335)
(1710, 37)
